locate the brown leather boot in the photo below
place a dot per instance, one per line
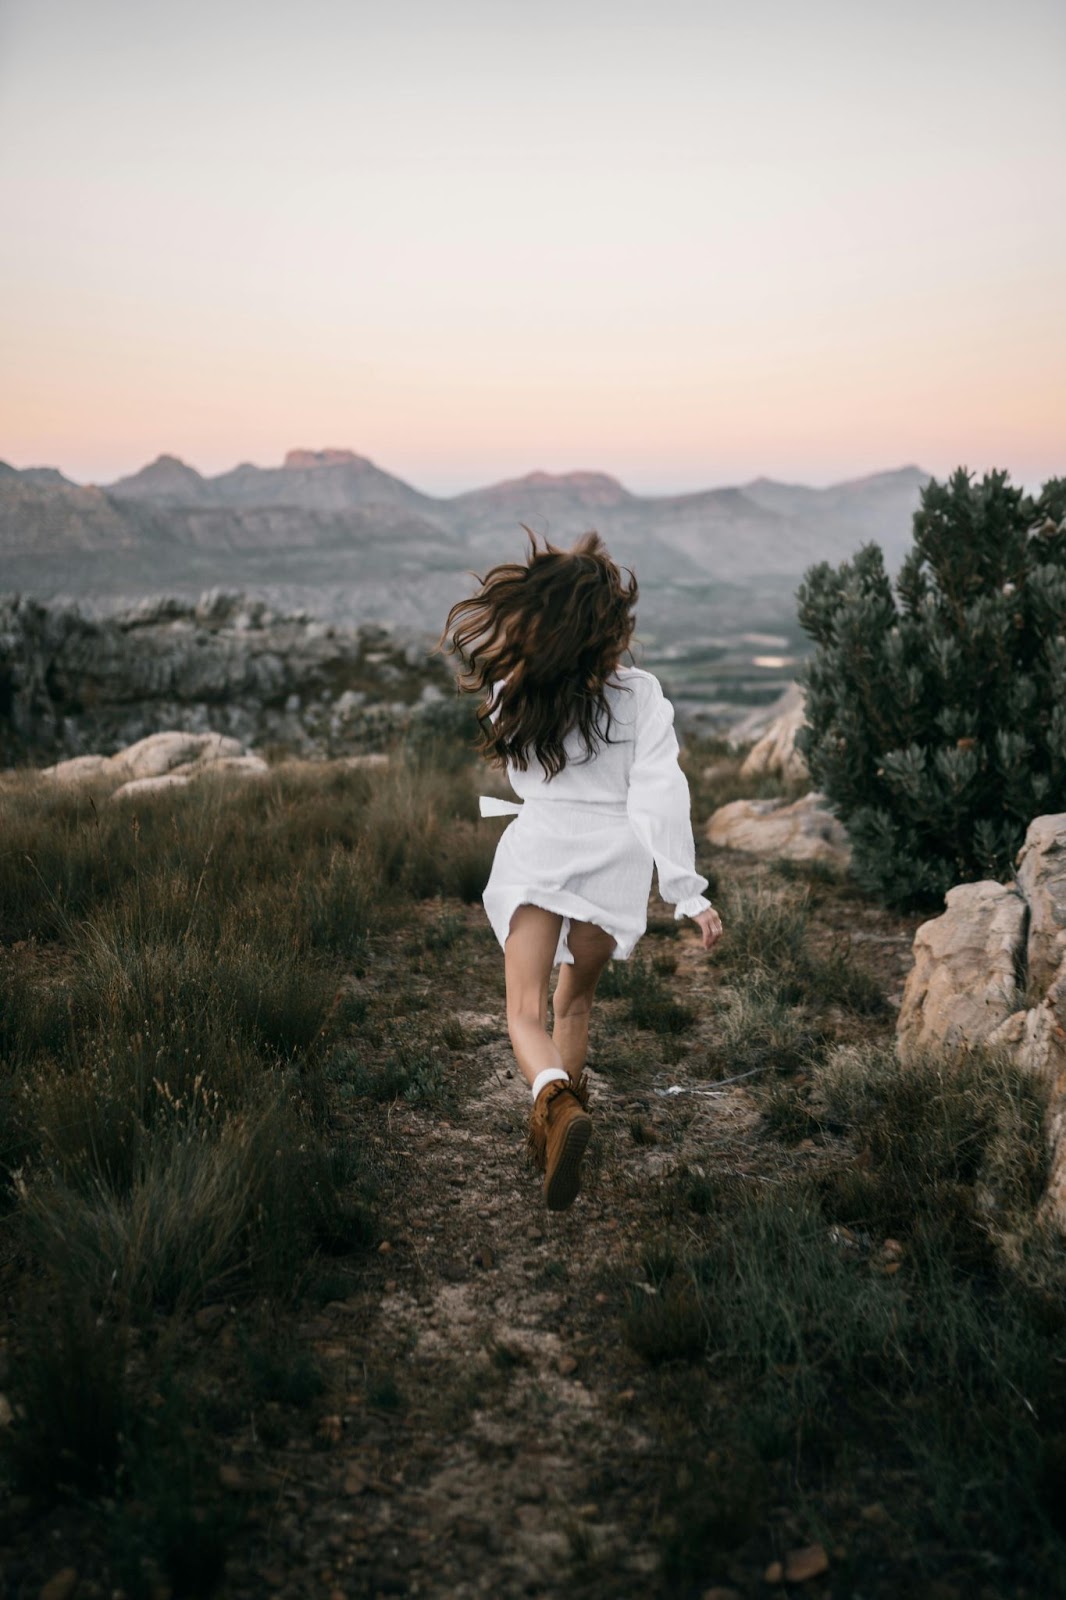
(559, 1129)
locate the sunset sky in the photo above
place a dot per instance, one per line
(685, 243)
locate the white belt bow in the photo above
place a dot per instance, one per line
(492, 806)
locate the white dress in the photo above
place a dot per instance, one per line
(584, 842)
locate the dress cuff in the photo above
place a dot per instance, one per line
(692, 906)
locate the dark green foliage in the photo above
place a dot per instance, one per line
(936, 712)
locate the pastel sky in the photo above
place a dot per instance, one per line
(686, 243)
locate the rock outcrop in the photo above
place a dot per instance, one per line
(964, 982)
(802, 831)
(775, 753)
(991, 971)
(224, 665)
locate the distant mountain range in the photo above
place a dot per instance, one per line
(333, 500)
(333, 534)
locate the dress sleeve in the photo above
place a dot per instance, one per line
(659, 805)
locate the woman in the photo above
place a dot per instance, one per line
(589, 745)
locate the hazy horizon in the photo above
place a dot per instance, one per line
(470, 243)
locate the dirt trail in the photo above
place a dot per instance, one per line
(487, 1430)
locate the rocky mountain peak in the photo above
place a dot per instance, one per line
(303, 460)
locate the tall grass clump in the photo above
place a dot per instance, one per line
(870, 1304)
(768, 944)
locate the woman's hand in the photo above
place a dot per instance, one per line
(710, 925)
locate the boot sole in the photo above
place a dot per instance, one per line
(565, 1183)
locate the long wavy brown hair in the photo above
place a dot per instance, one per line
(539, 640)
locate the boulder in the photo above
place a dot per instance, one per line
(963, 985)
(160, 761)
(991, 970)
(802, 831)
(775, 753)
(137, 787)
(1042, 880)
(80, 769)
(163, 752)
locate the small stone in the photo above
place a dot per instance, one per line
(566, 1365)
(775, 1573)
(809, 1562)
(601, 1299)
(384, 1247)
(61, 1584)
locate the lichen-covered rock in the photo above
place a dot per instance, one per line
(963, 985)
(802, 831)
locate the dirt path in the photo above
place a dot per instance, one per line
(486, 1429)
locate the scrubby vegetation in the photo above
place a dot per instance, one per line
(182, 1040)
(279, 1294)
(936, 711)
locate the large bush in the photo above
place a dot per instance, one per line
(936, 711)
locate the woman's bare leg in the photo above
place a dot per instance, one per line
(591, 948)
(528, 957)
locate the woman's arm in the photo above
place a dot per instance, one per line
(659, 803)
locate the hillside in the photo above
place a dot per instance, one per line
(283, 1303)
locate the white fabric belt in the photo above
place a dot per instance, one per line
(492, 806)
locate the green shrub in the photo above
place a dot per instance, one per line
(936, 712)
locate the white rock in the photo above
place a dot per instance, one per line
(802, 831)
(247, 766)
(142, 786)
(964, 988)
(963, 984)
(1042, 880)
(162, 752)
(759, 721)
(79, 769)
(776, 753)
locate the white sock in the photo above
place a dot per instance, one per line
(549, 1075)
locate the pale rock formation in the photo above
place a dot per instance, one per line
(996, 947)
(1042, 880)
(775, 752)
(802, 831)
(963, 984)
(157, 785)
(161, 761)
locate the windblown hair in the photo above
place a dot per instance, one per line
(539, 641)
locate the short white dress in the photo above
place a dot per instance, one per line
(584, 843)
